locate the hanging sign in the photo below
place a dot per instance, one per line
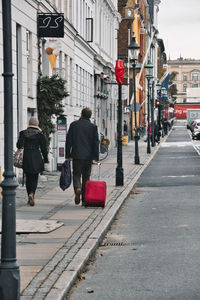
(119, 71)
(115, 92)
(52, 49)
(50, 25)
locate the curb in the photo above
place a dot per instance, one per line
(80, 260)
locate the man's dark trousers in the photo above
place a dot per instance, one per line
(81, 167)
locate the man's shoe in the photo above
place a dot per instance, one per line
(77, 198)
(31, 201)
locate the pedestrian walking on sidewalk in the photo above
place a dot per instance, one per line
(125, 128)
(34, 143)
(82, 146)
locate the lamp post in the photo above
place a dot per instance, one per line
(152, 115)
(134, 50)
(164, 122)
(9, 269)
(119, 73)
(149, 68)
(158, 86)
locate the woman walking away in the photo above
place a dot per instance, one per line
(34, 143)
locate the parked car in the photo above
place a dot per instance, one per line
(192, 125)
(195, 129)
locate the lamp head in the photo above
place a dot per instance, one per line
(133, 48)
(149, 68)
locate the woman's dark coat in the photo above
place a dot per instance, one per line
(82, 140)
(34, 143)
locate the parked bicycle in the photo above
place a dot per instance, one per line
(103, 147)
(141, 130)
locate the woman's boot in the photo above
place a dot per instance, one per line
(31, 201)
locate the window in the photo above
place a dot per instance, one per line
(194, 76)
(19, 77)
(60, 65)
(66, 76)
(89, 30)
(195, 85)
(77, 85)
(184, 87)
(175, 77)
(184, 100)
(185, 77)
(29, 62)
(45, 60)
(70, 78)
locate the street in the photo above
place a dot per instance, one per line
(152, 249)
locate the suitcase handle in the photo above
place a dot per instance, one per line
(99, 175)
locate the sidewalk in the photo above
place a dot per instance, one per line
(55, 238)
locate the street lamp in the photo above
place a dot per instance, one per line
(158, 86)
(163, 95)
(9, 269)
(149, 76)
(133, 48)
(152, 114)
(119, 73)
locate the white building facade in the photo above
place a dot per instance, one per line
(86, 61)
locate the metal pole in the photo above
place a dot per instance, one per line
(9, 269)
(131, 126)
(159, 116)
(136, 137)
(119, 169)
(152, 116)
(148, 119)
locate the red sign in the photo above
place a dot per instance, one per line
(119, 71)
(61, 127)
(181, 109)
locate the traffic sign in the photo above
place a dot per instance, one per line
(138, 106)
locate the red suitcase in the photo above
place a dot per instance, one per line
(95, 193)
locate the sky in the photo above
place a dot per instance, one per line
(179, 28)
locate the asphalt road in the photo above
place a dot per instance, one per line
(152, 251)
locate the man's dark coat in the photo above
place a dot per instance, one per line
(82, 140)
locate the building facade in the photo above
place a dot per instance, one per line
(187, 76)
(139, 17)
(86, 60)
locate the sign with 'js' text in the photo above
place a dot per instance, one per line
(50, 25)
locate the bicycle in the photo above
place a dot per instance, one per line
(103, 147)
(141, 131)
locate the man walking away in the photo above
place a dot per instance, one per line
(82, 145)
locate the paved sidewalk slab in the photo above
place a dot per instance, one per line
(42, 226)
